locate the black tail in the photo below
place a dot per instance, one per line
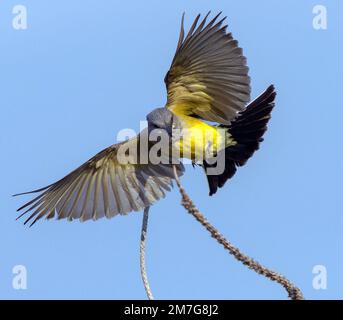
(247, 130)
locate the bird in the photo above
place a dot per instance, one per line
(208, 101)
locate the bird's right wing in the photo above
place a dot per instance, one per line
(103, 187)
(208, 77)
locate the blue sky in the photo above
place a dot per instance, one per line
(83, 70)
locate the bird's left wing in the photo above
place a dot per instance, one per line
(102, 187)
(208, 77)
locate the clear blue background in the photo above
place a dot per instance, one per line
(83, 70)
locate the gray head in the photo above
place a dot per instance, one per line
(161, 118)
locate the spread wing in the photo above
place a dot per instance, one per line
(103, 187)
(208, 77)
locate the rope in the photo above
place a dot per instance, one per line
(142, 254)
(294, 292)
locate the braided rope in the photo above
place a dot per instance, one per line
(294, 292)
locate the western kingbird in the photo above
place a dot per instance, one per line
(208, 90)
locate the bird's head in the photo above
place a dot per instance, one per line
(161, 119)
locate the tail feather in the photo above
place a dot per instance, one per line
(247, 130)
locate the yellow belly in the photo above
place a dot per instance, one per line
(198, 139)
